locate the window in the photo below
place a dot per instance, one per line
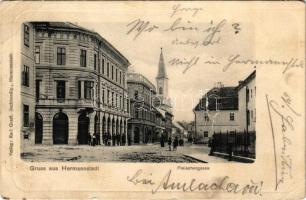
(83, 58)
(120, 102)
(37, 54)
(205, 133)
(61, 56)
(26, 35)
(120, 81)
(113, 99)
(102, 66)
(255, 91)
(25, 76)
(247, 94)
(107, 70)
(251, 114)
(103, 95)
(248, 117)
(108, 96)
(99, 66)
(116, 100)
(232, 116)
(112, 72)
(60, 90)
(206, 118)
(160, 90)
(79, 89)
(123, 80)
(37, 90)
(136, 113)
(116, 75)
(136, 94)
(97, 93)
(251, 93)
(255, 115)
(88, 89)
(95, 61)
(25, 115)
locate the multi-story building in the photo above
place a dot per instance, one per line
(27, 83)
(216, 112)
(151, 111)
(80, 86)
(247, 109)
(142, 124)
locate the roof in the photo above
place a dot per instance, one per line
(161, 66)
(177, 125)
(225, 97)
(139, 78)
(247, 80)
(71, 26)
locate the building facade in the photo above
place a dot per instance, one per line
(142, 123)
(247, 109)
(216, 112)
(27, 83)
(150, 108)
(80, 86)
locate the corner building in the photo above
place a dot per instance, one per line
(142, 124)
(80, 86)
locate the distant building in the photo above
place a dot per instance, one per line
(247, 109)
(178, 130)
(151, 111)
(79, 83)
(217, 111)
(190, 127)
(163, 105)
(162, 85)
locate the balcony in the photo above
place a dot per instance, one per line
(87, 103)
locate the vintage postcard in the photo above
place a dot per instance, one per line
(152, 100)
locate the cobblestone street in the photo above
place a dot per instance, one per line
(137, 153)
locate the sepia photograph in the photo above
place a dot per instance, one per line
(84, 100)
(152, 100)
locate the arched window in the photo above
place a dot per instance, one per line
(160, 90)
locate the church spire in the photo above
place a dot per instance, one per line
(161, 66)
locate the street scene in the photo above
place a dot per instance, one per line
(83, 100)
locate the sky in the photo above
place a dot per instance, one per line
(185, 89)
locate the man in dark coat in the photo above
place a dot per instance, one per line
(169, 143)
(162, 142)
(175, 143)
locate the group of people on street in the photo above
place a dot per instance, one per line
(94, 139)
(108, 139)
(174, 144)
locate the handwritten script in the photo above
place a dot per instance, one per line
(221, 184)
(286, 115)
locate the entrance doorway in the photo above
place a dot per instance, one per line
(60, 128)
(83, 129)
(38, 128)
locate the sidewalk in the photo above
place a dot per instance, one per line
(219, 158)
(205, 158)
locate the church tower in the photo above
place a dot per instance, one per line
(162, 78)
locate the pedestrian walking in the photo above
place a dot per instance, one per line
(175, 143)
(169, 143)
(162, 142)
(94, 139)
(98, 139)
(89, 139)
